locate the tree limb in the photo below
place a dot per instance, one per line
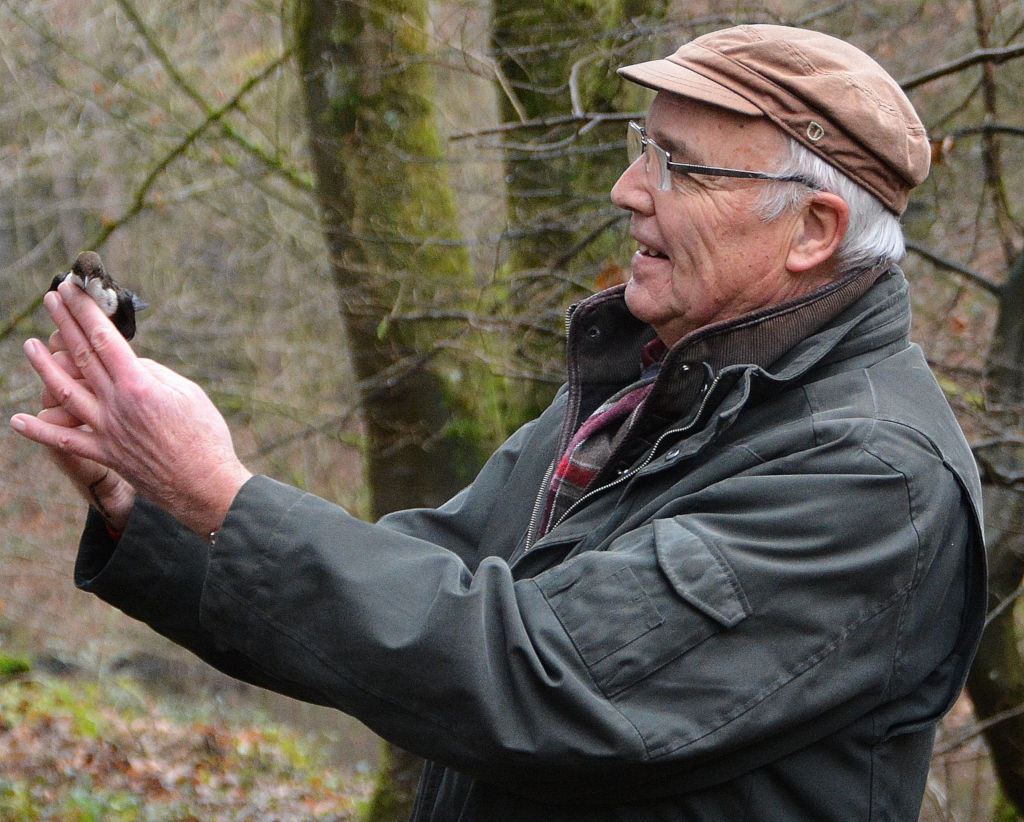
(988, 128)
(291, 175)
(978, 729)
(969, 274)
(139, 198)
(589, 120)
(989, 55)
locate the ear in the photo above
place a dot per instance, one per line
(819, 231)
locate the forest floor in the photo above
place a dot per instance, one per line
(102, 719)
(79, 749)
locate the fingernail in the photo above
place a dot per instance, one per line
(18, 424)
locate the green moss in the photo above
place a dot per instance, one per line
(13, 665)
(1004, 811)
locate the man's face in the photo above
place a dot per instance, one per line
(704, 254)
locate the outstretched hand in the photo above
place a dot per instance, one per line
(108, 409)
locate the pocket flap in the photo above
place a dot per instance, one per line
(699, 573)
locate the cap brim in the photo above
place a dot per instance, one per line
(664, 75)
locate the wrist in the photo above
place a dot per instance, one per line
(208, 515)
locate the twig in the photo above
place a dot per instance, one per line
(1005, 603)
(214, 117)
(164, 59)
(978, 729)
(138, 202)
(589, 120)
(987, 129)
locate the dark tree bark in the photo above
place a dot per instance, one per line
(996, 682)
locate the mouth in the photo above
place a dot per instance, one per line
(647, 251)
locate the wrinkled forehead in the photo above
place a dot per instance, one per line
(689, 129)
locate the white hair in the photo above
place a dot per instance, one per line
(874, 236)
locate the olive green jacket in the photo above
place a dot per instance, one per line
(761, 613)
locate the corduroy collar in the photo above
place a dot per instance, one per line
(756, 339)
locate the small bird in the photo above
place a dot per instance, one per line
(118, 303)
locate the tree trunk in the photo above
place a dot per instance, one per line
(557, 58)
(390, 223)
(996, 681)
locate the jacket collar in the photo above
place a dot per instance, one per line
(863, 310)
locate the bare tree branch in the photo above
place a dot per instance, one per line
(988, 128)
(589, 121)
(969, 274)
(989, 55)
(977, 730)
(139, 202)
(1007, 602)
(213, 114)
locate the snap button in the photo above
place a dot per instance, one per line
(594, 333)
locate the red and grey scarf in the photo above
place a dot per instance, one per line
(594, 442)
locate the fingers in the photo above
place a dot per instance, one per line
(83, 473)
(55, 415)
(95, 348)
(79, 349)
(98, 485)
(59, 387)
(108, 493)
(63, 359)
(74, 450)
(62, 355)
(79, 442)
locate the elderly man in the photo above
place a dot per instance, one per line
(735, 571)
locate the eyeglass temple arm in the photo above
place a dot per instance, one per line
(736, 172)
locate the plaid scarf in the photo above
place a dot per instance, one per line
(594, 442)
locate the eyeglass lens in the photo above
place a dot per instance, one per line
(634, 142)
(637, 144)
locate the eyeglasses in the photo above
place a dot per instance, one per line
(660, 167)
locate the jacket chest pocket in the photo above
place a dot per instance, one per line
(655, 594)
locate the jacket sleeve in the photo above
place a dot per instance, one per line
(743, 619)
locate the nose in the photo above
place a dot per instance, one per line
(631, 191)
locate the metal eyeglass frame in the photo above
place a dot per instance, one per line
(637, 143)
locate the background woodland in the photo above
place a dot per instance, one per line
(358, 225)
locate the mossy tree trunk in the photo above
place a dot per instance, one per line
(390, 224)
(559, 58)
(996, 681)
(391, 228)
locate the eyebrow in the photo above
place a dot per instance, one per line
(677, 149)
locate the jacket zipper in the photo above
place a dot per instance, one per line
(571, 409)
(537, 506)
